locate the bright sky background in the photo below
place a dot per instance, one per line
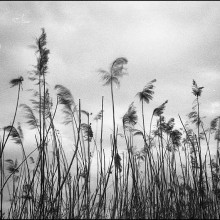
(174, 42)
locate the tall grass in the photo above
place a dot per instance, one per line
(169, 177)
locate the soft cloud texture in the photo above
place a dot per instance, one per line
(173, 42)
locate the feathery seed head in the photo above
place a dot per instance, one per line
(147, 93)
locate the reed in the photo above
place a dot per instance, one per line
(168, 177)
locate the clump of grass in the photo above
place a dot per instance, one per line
(169, 177)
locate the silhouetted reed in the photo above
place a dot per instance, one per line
(173, 175)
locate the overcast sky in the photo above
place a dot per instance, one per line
(174, 42)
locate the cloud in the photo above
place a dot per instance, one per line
(172, 42)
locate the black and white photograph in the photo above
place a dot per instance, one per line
(109, 110)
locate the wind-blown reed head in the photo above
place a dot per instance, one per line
(159, 110)
(130, 117)
(197, 91)
(65, 96)
(43, 58)
(117, 66)
(147, 93)
(116, 71)
(32, 121)
(214, 123)
(194, 117)
(12, 166)
(66, 99)
(176, 136)
(14, 134)
(170, 125)
(17, 81)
